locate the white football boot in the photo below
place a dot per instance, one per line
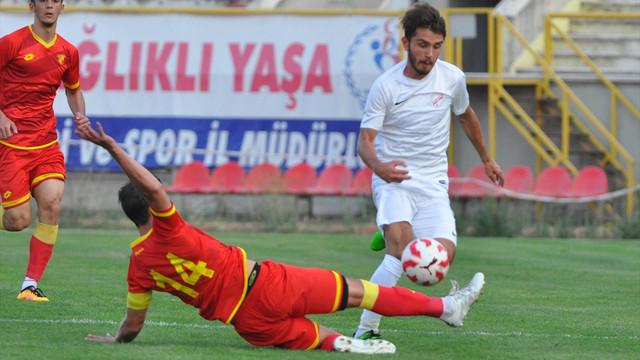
(463, 299)
(357, 346)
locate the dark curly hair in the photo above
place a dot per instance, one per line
(423, 15)
(134, 204)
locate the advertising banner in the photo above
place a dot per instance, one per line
(175, 87)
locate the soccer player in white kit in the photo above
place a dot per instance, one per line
(404, 136)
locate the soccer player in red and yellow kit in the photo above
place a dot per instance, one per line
(266, 303)
(34, 61)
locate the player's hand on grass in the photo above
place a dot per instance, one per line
(97, 338)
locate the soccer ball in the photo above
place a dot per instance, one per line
(425, 261)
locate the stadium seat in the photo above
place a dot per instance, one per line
(455, 186)
(190, 178)
(471, 189)
(590, 181)
(227, 178)
(361, 184)
(553, 181)
(333, 180)
(300, 179)
(519, 179)
(264, 178)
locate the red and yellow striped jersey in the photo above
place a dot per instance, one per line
(180, 259)
(30, 74)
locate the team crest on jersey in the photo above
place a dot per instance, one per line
(6, 195)
(28, 57)
(436, 99)
(61, 59)
(372, 51)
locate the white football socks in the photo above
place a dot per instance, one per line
(387, 274)
(447, 306)
(28, 282)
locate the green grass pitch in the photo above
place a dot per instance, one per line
(544, 299)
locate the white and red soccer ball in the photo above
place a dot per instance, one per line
(425, 261)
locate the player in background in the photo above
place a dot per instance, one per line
(34, 61)
(267, 303)
(404, 136)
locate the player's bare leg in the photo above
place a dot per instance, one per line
(16, 218)
(449, 246)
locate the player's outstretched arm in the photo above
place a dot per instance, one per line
(129, 328)
(75, 99)
(139, 176)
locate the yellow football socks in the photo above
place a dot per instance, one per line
(46, 233)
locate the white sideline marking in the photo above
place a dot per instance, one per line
(117, 323)
(417, 332)
(513, 334)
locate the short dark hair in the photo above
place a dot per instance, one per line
(423, 15)
(134, 204)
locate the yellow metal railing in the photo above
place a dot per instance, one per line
(616, 95)
(565, 100)
(550, 25)
(453, 51)
(453, 46)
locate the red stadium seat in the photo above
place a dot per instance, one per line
(455, 186)
(519, 179)
(553, 181)
(300, 179)
(590, 181)
(361, 184)
(333, 180)
(264, 178)
(227, 178)
(473, 190)
(190, 178)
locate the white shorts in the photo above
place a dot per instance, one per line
(430, 217)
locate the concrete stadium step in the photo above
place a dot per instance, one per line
(610, 5)
(602, 58)
(587, 41)
(615, 74)
(604, 25)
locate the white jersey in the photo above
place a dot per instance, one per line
(413, 118)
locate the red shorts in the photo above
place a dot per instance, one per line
(24, 169)
(274, 311)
